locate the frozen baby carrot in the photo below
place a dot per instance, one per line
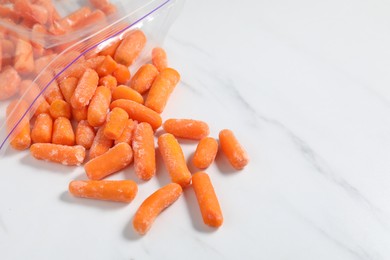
(95, 17)
(67, 22)
(9, 82)
(24, 59)
(124, 92)
(107, 67)
(161, 89)
(30, 91)
(119, 191)
(114, 160)
(63, 132)
(159, 58)
(20, 139)
(42, 129)
(205, 152)
(97, 110)
(130, 48)
(138, 112)
(85, 134)
(154, 205)
(66, 155)
(116, 123)
(67, 87)
(207, 199)
(31, 12)
(144, 153)
(174, 160)
(100, 145)
(60, 108)
(108, 9)
(121, 74)
(233, 150)
(52, 92)
(80, 114)
(127, 134)
(77, 70)
(85, 89)
(109, 82)
(42, 62)
(110, 48)
(187, 128)
(143, 78)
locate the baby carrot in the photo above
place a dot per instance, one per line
(130, 48)
(52, 92)
(116, 123)
(100, 145)
(143, 78)
(114, 160)
(80, 114)
(124, 92)
(85, 89)
(99, 4)
(20, 139)
(107, 67)
(144, 153)
(63, 132)
(42, 129)
(174, 160)
(66, 155)
(67, 87)
(9, 82)
(29, 91)
(95, 17)
(187, 128)
(97, 110)
(121, 74)
(119, 191)
(60, 108)
(77, 70)
(109, 82)
(127, 134)
(42, 62)
(207, 199)
(108, 9)
(85, 134)
(159, 58)
(233, 150)
(24, 59)
(138, 112)
(154, 205)
(205, 152)
(63, 25)
(110, 48)
(161, 89)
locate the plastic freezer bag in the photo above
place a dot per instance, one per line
(39, 53)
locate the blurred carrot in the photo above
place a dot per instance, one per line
(64, 25)
(78, 69)
(101, 144)
(122, 74)
(124, 92)
(143, 78)
(32, 12)
(85, 134)
(66, 155)
(119, 191)
(24, 59)
(42, 129)
(100, 103)
(80, 114)
(159, 58)
(107, 67)
(109, 9)
(233, 150)
(30, 91)
(116, 123)
(60, 108)
(127, 134)
(109, 82)
(85, 89)
(130, 48)
(42, 62)
(63, 132)
(187, 128)
(9, 82)
(52, 92)
(205, 152)
(20, 138)
(154, 205)
(95, 17)
(114, 160)
(67, 87)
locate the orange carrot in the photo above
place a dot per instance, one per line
(109, 82)
(64, 25)
(85, 134)
(130, 48)
(99, 4)
(207, 199)
(37, 33)
(20, 139)
(124, 92)
(80, 114)
(154, 205)
(60, 108)
(63, 132)
(42, 62)
(116, 123)
(174, 160)
(122, 74)
(205, 152)
(95, 17)
(127, 134)
(78, 69)
(101, 144)
(24, 59)
(109, 9)
(85, 89)
(143, 78)
(97, 110)
(29, 91)
(233, 150)
(144, 153)
(161, 89)
(138, 112)
(42, 130)
(159, 58)
(114, 160)
(31, 12)
(187, 128)
(52, 92)
(9, 82)
(110, 48)
(66, 155)
(119, 191)
(67, 87)
(107, 67)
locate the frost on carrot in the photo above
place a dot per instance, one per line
(205, 152)
(64, 154)
(130, 48)
(85, 134)
(63, 132)
(187, 128)
(116, 123)
(85, 89)
(101, 144)
(42, 129)
(143, 78)
(233, 150)
(100, 103)
(9, 82)
(127, 134)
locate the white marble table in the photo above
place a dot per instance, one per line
(305, 85)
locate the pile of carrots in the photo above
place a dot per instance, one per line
(99, 115)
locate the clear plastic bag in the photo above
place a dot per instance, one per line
(60, 55)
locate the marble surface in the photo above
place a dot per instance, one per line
(305, 87)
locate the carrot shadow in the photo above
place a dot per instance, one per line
(129, 233)
(223, 163)
(83, 202)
